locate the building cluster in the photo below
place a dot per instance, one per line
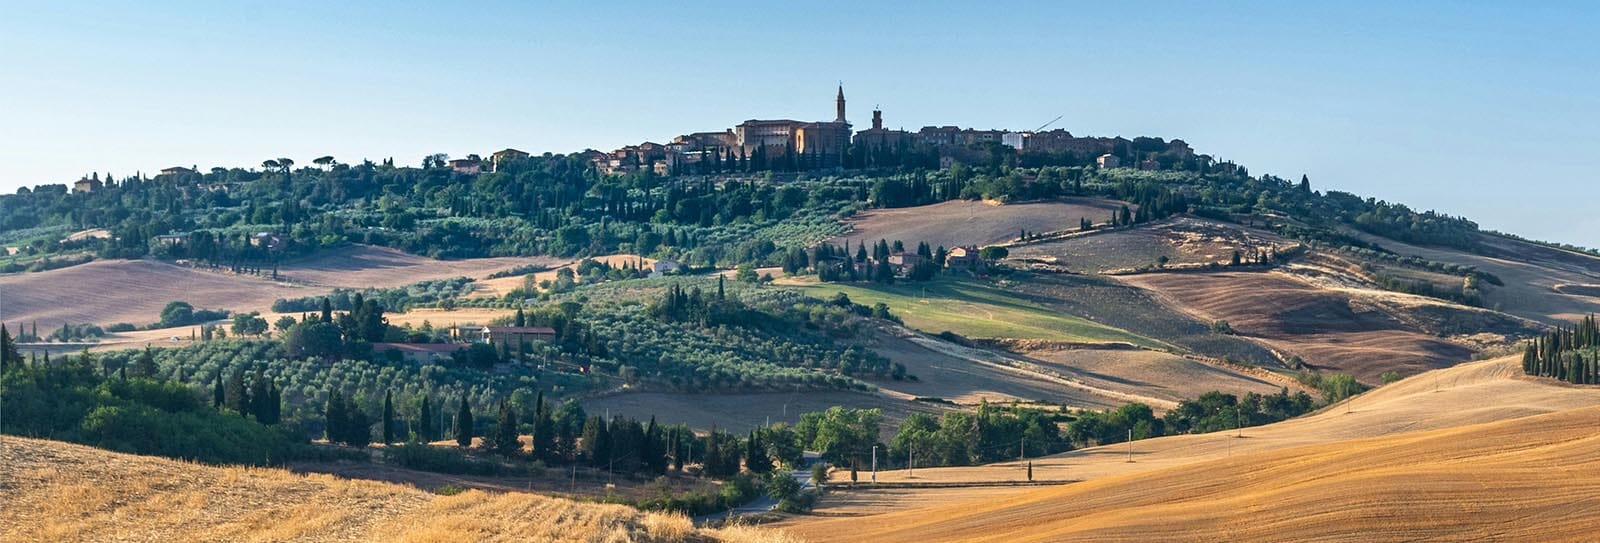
(827, 144)
(505, 339)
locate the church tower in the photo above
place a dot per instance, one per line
(839, 105)
(877, 119)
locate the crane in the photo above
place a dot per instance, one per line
(1052, 121)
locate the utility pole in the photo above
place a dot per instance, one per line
(1130, 445)
(874, 464)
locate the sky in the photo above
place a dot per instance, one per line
(1487, 110)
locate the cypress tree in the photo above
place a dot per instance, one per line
(505, 432)
(388, 417)
(235, 398)
(327, 311)
(335, 419)
(217, 395)
(425, 422)
(464, 424)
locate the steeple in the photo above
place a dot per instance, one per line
(839, 105)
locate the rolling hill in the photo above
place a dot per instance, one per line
(54, 491)
(1437, 425)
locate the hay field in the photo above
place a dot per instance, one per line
(364, 266)
(1449, 401)
(1329, 329)
(132, 291)
(966, 222)
(54, 491)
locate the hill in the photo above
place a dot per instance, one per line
(1445, 400)
(56, 491)
(1527, 479)
(966, 222)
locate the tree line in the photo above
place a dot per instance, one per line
(1570, 354)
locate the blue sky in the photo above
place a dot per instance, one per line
(1479, 109)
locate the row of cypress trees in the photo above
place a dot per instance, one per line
(1569, 354)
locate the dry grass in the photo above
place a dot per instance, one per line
(363, 266)
(1185, 241)
(52, 491)
(131, 291)
(500, 286)
(1491, 455)
(965, 222)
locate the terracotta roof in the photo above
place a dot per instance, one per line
(418, 347)
(522, 330)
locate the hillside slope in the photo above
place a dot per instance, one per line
(1467, 394)
(54, 491)
(1529, 479)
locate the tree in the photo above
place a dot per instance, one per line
(177, 314)
(313, 339)
(464, 424)
(284, 324)
(755, 455)
(425, 424)
(250, 324)
(10, 356)
(746, 274)
(218, 395)
(505, 432)
(782, 487)
(236, 398)
(327, 311)
(335, 420)
(993, 253)
(388, 417)
(543, 437)
(595, 444)
(144, 366)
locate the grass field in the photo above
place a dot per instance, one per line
(56, 491)
(978, 309)
(1445, 447)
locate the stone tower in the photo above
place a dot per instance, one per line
(839, 105)
(877, 119)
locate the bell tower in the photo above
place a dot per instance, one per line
(838, 105)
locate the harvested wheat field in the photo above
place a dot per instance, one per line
(1153, 373)
(54, 491)
(1184, 241)
(1467, 394)
(367, 266)
(1451, 401)
(1532, 274)
(1528, 479)
(966, 222)
(1337, 330)
(132, 291)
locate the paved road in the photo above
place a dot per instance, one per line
(767, 503)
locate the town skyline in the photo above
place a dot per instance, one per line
(1448, 112)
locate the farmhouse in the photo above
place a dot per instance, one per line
(962, 257)
(504, 155)
(663, 267)
(176, 170)
(512, 337)
(903, 261)
(466, 166)
(178, 238)
(1108, 161)
(417, 352)
(87, 184)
